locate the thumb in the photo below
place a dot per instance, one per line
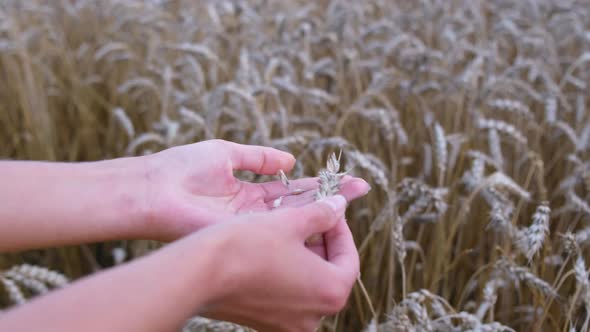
(320, 216)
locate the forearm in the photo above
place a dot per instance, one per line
(49, 204)
(154, 293)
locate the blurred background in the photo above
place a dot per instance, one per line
(468, 118)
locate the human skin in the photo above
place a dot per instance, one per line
(243, 262)
(162, 196)
(253, 269)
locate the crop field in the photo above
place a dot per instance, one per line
(469, 119)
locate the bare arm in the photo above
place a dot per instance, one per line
(50, 204)
(162, 196)
(253, 269)
(155, 293)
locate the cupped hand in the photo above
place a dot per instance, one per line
(269, 279)
(193, 186)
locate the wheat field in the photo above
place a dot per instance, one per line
(468, 118)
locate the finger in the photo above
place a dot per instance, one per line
(259, 159)
(341, 250)
(354, 188)
(318, 217)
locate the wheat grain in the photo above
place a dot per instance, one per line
(372, 165)
(329, 178)
(201, 324)
(124, 121)
(521, 274)
(440, 148)
(501, 180)
(512, 106)
(495, 148)
(582, 278)
(503, 127)
(15, 295)
(52, 278)
(531, 239)
(30, 283)
(489, 297)
(399, 244)
(551, 110)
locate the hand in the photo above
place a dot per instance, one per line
(269, 280)
(193, 186)
(253, 269)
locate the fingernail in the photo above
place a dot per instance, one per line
(337, 203)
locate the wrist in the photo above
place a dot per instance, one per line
(208, 271)
(231, 269)
(126, 188)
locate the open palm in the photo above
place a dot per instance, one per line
(192, 186)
